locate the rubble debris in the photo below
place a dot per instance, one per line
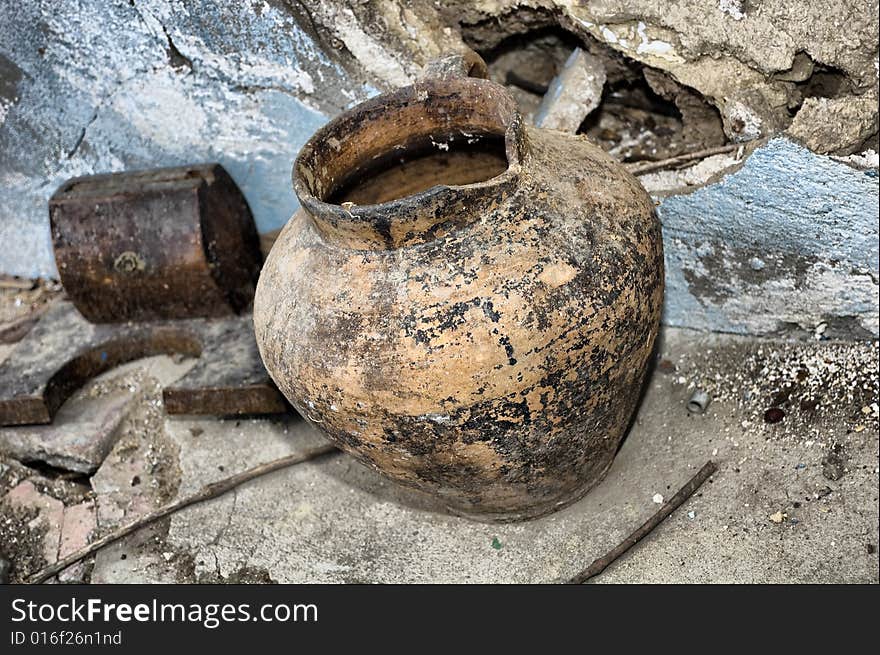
(840, 126)
(63, 351)
(16, 282)
(48, 517)
(643, 114)
(698, 402)
(21, 308)
(207, 492)
(573, 94)
(83, 434)
(15, 330)
(527, 64)
(21, 536)
(834, 464)
(824, 492)
(801, 382)
(513, 78)
(49, 529)
(777, 517)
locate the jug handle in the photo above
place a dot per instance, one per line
(464, 64)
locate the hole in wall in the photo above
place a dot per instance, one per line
(826, 82)
(50, 472)
(807, 78)
(811, 79)
(527, 63)
(643, 114)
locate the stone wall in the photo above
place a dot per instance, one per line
(782, 238)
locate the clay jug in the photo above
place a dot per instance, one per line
(465, 303)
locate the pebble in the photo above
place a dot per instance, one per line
(658, 498)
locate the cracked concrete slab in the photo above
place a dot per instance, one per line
(333, 520)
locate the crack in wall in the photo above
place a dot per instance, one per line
(750, 67)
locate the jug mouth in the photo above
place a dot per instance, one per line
(465, 135)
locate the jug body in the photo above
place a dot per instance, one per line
(464, 303)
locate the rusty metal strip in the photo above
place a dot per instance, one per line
(64, 350)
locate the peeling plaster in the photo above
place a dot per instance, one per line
(368, 52)
(733, 8)
(809, 220)
(99, 92)
(631, 38)
(788, 238)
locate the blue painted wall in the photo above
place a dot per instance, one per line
(790, 240)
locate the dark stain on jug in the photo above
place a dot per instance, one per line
(473, 319)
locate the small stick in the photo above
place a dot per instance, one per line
(676, 501)
(14, 282)
(207, 492)
(17, 328)
(641, 167)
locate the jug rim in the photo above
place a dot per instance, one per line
(379, 125)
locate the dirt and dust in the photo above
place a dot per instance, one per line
(21, 541)
(788, 389)
(140, 472)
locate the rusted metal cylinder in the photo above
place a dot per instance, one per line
(162, 244)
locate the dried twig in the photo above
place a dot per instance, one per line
(641, 167)
(207, 492)
(16, 329)
(15, 282)
(678, 499)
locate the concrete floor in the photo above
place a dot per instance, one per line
(793, 501)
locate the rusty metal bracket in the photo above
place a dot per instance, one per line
(64, 350)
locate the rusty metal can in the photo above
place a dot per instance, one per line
(162, 244)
